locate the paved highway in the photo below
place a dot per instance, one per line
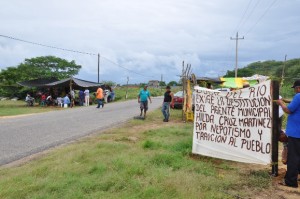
(22, 136)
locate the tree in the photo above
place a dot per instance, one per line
(172, 83)
(48, 66)
(162, 83)
(109, 83)
(34, 68)
(39, 67)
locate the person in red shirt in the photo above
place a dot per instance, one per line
(43, 99)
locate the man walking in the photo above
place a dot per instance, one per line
(293, 133)
(168, 100)
(143, 97)
(99, 96)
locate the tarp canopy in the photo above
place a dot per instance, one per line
(231, 82)
(37, 82)
(239, 82)
(72, 81)
(209, 80)
(257, 77)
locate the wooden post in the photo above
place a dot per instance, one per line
(98, 68)
(182, 79)
(126, 95)
(275, 128)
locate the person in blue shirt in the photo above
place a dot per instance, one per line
(81, 98)
(67, 100)
(293, 133)
(143, 97)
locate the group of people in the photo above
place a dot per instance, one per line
(168, 102)
(67, 99)
(83, 95)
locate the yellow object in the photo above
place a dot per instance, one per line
(189, 116)
(233, 82)
(188, 99)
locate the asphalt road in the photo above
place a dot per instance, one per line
(22, 136)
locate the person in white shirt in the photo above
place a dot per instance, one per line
(87, 97)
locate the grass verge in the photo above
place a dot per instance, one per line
(12, 108)
(142, 159)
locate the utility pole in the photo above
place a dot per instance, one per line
(98, 68)
(236, 51)
(282, 75)
(126, 95)
(182, 79)
(161, 79)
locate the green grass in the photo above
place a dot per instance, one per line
(132, 93)
(11, 108)
(142, 159)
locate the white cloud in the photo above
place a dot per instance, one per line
(149, 37)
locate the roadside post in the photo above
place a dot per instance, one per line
(275, 127)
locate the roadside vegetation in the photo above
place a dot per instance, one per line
(141, 159)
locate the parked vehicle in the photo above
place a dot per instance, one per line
(223, 89)
(178, 99)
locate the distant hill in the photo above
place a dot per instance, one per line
(271, 68)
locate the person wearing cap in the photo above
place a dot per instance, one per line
(143, 97)
(293, 133)
(168, 100)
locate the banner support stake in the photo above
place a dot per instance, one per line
(275, 127)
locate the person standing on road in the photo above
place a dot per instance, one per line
(66, 101)
(72, 94)
(81, 97)
(99, 96)
(293, 133)
(87, 97)
(168, 101)
(143, 97)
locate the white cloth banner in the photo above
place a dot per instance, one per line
(234, 125)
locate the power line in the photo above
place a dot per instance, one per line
(39, 44)
(260, 18)
(124, 67)
(250, 14)
(70, 50)
(242, 18)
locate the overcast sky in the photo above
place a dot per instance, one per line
(150, 37)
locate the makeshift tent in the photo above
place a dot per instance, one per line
(72, 82)
(231, 82)
(37, 82)
(256, 77)
(209, 80)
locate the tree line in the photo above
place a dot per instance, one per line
(35, 68)
(290, 70)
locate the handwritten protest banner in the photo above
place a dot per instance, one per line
(234, 125)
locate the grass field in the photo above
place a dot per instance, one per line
(142, 159)
(11, 108)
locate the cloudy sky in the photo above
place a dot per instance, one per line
(144, 39)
